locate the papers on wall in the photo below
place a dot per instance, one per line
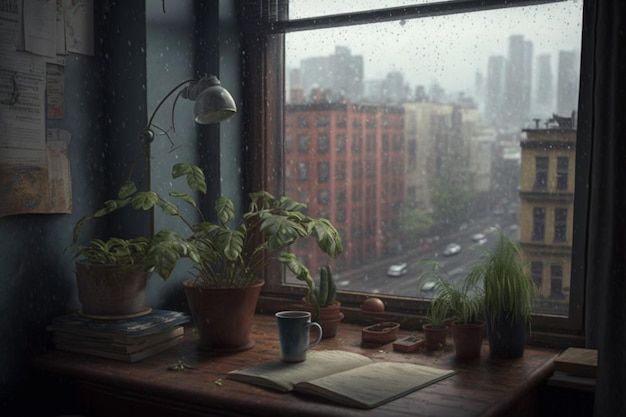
(34, 163)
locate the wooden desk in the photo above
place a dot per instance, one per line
(486, 387)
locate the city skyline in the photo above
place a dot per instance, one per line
(454, 60)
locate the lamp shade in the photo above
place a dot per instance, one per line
(213, 105)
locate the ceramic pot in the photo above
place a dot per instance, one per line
(468, 339)
(223, 316)
(435, 337)
(507, 336)
(111, 291)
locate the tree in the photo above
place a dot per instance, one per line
(414, 224)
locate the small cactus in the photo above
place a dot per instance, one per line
(328, 288)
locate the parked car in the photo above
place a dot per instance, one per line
(452, 249)
(397, 270)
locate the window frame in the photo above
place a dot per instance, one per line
(263, 70)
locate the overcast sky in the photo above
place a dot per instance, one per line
(447, 49)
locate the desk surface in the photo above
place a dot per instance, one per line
(485, 387)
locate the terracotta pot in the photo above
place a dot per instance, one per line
(329, 317)
(111, 291)
(435, 337)
(380, 333)
(468, 339)
(223, 316)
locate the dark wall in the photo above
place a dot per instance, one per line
(102, 96)
(141, 53)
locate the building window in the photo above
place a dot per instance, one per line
(560, 224)
(539, 223)
(541, 173)
(303, 171)
(556, 282)
(322, 143)
(341, 195)
(323, 197)
(562, 172)
(356, 143)
(303, 121)
(303, 144)
(341, 122)
(340, 170)
(322, 120)
(322, 172)
(341, 143)
(340, 217)
(536, 273)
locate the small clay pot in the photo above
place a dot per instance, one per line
(380, 333)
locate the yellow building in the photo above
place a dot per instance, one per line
(547, 208)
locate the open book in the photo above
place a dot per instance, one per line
(344, 377)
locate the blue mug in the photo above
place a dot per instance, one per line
(293, 334)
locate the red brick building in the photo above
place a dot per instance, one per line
(346, 162)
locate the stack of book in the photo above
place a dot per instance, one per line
(128, 340)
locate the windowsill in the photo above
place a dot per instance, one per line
(485, 387)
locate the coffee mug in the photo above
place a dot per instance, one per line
(293, 333)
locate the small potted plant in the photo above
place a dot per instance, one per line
(436, 330)
(463, 301)
(508, 296)
(321, 301)
(110, 274)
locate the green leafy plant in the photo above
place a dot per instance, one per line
(226, 253)
(112, 251)
(461, 302)
(507, 286)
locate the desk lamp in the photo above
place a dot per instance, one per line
(213, 103)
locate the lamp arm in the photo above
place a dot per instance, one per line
(167, 96)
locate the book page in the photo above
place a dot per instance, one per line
(375, 384)
(283, 376)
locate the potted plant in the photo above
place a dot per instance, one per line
(436, 330)
(110, 276)
(321, 302)
(508, 295)
(229, 256)
(463, 302)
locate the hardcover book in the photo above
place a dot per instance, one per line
(344, 377)
(154, 322)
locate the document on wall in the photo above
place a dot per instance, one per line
(79, 31)
(40, 27)
(10, 26)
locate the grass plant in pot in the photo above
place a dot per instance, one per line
(230, 255)
(464, 302)
(436, 330)
(321, 302)
(508, 296)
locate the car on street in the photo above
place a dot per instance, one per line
(397, 270)
(428, 286)
(478, 237)
(452, 249)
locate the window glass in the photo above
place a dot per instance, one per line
(439, 129)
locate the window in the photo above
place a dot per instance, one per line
(322, 120)
(323, 197)
(340, 170)
(556, 281)
(303, 144)
(560, 224)
(539, 223)
(470, 162)
(341, 143)
(536, 273)
(322, 143)
(562, 172)
(322, 172)
(303, 171)
(541, 173)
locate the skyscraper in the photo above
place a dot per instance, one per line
(495, 90)
(544, 99)
(340, 73)
(518, 84)
(567, 84)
